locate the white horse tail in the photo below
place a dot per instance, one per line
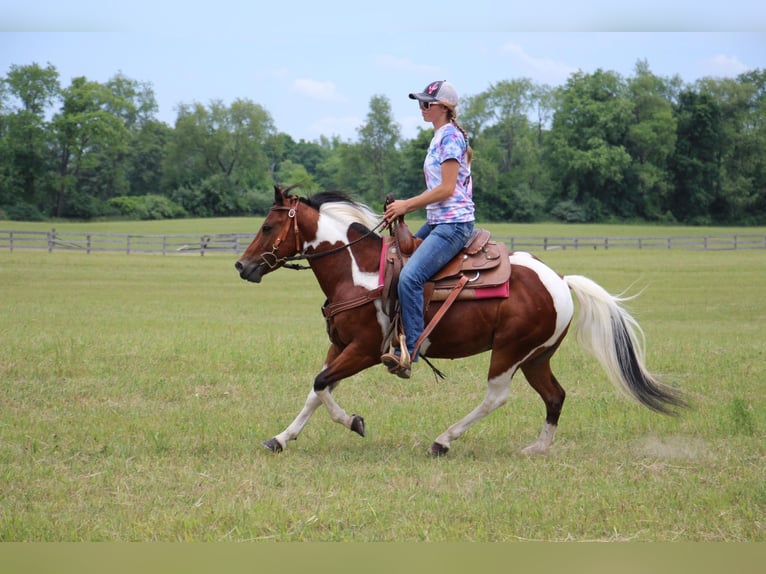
(606, 330)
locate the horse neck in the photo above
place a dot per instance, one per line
(354, 268)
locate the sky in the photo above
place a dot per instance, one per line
(315, 66)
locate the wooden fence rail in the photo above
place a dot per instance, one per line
(235, 243)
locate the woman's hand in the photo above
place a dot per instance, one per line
(395, 209)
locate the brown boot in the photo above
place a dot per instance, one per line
(397, 363)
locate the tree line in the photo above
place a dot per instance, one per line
(601, 147)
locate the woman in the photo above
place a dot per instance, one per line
(448, 201)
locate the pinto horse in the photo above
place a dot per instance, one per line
(337, 237)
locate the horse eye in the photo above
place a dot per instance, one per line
(266, 228)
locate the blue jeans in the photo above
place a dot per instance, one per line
(441, 243)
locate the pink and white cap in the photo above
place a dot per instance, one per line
(440, 91)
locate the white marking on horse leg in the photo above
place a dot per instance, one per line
(543, 443)
(337, 414)
(295, 427)
(498, 391)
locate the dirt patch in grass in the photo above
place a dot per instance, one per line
(675, 447)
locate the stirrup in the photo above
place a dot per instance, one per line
(399, 363)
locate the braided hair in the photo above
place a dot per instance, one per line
(452, 117)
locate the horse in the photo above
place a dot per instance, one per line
(338, 237)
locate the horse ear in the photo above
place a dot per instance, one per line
(279, 195)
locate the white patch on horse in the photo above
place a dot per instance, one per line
(556, 286)
(332, 230)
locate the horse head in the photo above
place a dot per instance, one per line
(278, 238)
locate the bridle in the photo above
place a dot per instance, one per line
(272, 260)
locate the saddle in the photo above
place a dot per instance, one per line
(482, 263)
(480, 271)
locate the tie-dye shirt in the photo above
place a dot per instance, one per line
(448, 143)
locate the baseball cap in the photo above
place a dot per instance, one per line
(440, 91)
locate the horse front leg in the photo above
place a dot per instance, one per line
(338, 365)
(279, 442)
(341, 365)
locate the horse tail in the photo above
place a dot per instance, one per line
(606, 330)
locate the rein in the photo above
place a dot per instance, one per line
(273, 261)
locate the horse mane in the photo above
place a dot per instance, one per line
(341, 206)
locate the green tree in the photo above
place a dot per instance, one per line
(586, 146)
(311, 157)
(408, 179)
(33, 86)
(146, 157)
(379, 137)
(521, 181)
(133, 102)
(333, 172)
(749, 158)
(694, 165)
(138, 169)
(216, 159)
(24, 133)
(88, 138)
(509, 103)
(738, 153)
(291, 173)
(133, 105)
(650, 141)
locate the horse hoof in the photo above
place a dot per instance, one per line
(438, 449)
(357, 425)
(273, 445)
(534, 450)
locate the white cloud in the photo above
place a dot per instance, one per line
(722, 65)
(542, 70)
(323, 91)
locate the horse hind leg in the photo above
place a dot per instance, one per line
(539, 375)
(498, 391)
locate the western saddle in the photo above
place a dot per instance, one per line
(481, 270)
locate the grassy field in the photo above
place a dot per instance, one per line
(135, 391)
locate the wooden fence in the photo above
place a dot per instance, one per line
(235, 243)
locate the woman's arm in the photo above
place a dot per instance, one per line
(449, 173)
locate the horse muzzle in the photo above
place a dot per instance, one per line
(252, 272)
